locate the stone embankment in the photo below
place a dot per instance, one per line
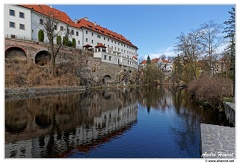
(229, 109)
(218, 141)
(32, 92)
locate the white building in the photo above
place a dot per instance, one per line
(25, 21)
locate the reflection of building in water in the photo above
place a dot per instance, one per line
(102, 128)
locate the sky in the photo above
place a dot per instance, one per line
(153, 28)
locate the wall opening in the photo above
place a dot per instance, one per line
(15, 53)
(106, 79)
(43, 58)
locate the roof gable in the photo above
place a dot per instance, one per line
(49, 11)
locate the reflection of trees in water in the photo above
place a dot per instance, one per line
(60, 115)
(192, 115)
(157, 98)
(186, 137)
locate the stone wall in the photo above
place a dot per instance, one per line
(88, 67)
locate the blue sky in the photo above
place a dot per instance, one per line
(152, 28)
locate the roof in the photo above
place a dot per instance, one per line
(81, 23)
(155, 60)
(100, 45)
(87, 45)
(165, 61)
(49, 11)
(104, 31)
(135, 57)
(143, 62)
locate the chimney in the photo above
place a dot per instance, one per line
(50, 6)
(86, 18)
(75, 21)
(95, 23)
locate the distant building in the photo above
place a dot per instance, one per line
(164, 65)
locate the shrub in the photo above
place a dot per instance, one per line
(70, 43)
(65, 41)
(59, 39)
(74, 42)
(212, 90)
(40, 36)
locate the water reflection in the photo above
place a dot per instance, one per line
(146, 122)
(57, 124)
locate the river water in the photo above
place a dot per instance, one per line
(110, 123)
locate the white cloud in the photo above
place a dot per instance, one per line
(169, 52)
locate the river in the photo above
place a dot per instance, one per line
(111, 123)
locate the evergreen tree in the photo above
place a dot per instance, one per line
(65, 40)
(74, 42)
(230, 34)
(148, 60)
(40, 36)
(59, 40)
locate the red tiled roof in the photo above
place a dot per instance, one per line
(155, 60)
(165, 61)
(87, 45)
(97, 28)
(143, 62)
(49, 11)
(63, 17)
(135, 57)
(100, 45)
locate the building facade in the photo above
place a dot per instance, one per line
(25, 21)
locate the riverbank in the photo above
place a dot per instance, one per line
(40, 91)
(217, 141)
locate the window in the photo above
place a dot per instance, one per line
(86, 39)
(108, 39)
(105, 57)
(98, 36)
(22, 26)
(104, 38)
(110, 58)
(12, 24)
(92, 41)
(55, 27)
(72, 32)
(92, 34)
(21, 15)
(41, 21)
(68, 31)
(12, 12)
(61, 28)
(78, 42)
(77, 33)
(86, 32)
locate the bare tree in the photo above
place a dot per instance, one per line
(210, 40)
(190, 50)
(50, 23)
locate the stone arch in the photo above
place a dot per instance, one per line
(15, 53)
(42, 58)
(43, 121)
(106, 79)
